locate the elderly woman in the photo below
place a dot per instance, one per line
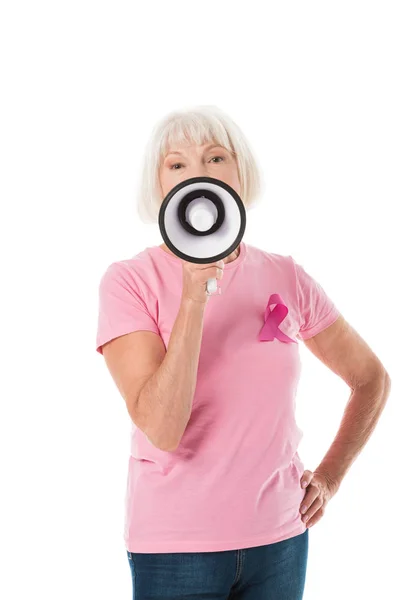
(218, 504)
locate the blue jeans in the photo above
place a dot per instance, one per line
(271, 572)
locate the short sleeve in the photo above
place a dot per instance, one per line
(316, 309)
(121, 307)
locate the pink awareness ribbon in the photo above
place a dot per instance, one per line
(273, 318)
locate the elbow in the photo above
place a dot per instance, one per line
(162, 446)
(378, 378)
(387, 383)
(165, 444)
(164, 440)
(161, 443)
(167, 435)
(384, 380)
(382, 383)
(170, 448)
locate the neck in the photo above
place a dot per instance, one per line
(233, 256)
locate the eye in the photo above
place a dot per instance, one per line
(172, 167)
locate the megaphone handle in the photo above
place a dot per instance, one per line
(212, 287)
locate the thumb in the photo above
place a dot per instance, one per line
(306, 478)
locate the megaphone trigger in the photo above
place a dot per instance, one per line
(212, 287)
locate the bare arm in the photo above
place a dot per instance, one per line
(158, 386)
(165, 401)
(342, 350)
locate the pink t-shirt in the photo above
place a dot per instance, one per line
(234, 480)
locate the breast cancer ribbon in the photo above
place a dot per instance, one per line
(273, 318)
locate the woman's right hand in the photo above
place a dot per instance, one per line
(195, 277)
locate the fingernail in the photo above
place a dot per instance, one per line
(303, 509)
(304, 484)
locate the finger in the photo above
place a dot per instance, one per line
(308, 499)
(306, 478)
(314, 508)
(316, 517)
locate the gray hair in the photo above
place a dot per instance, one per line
(198, 125)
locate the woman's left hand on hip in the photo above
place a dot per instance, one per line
(318, 493)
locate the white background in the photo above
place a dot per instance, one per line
(315, 88)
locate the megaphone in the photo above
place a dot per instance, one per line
(202, 220)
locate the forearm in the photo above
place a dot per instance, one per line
(165, 402)
(359, 420)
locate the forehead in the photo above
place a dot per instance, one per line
(180, 148)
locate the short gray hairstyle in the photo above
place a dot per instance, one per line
(199, 125)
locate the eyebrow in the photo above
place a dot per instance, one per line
(208, 147)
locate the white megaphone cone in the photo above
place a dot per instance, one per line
(202, 220)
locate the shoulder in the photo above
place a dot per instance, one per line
(130, 272)
(278, 263)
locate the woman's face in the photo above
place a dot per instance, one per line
(186, 161)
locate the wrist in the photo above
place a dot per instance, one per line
(193, 303)
(332, 482)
